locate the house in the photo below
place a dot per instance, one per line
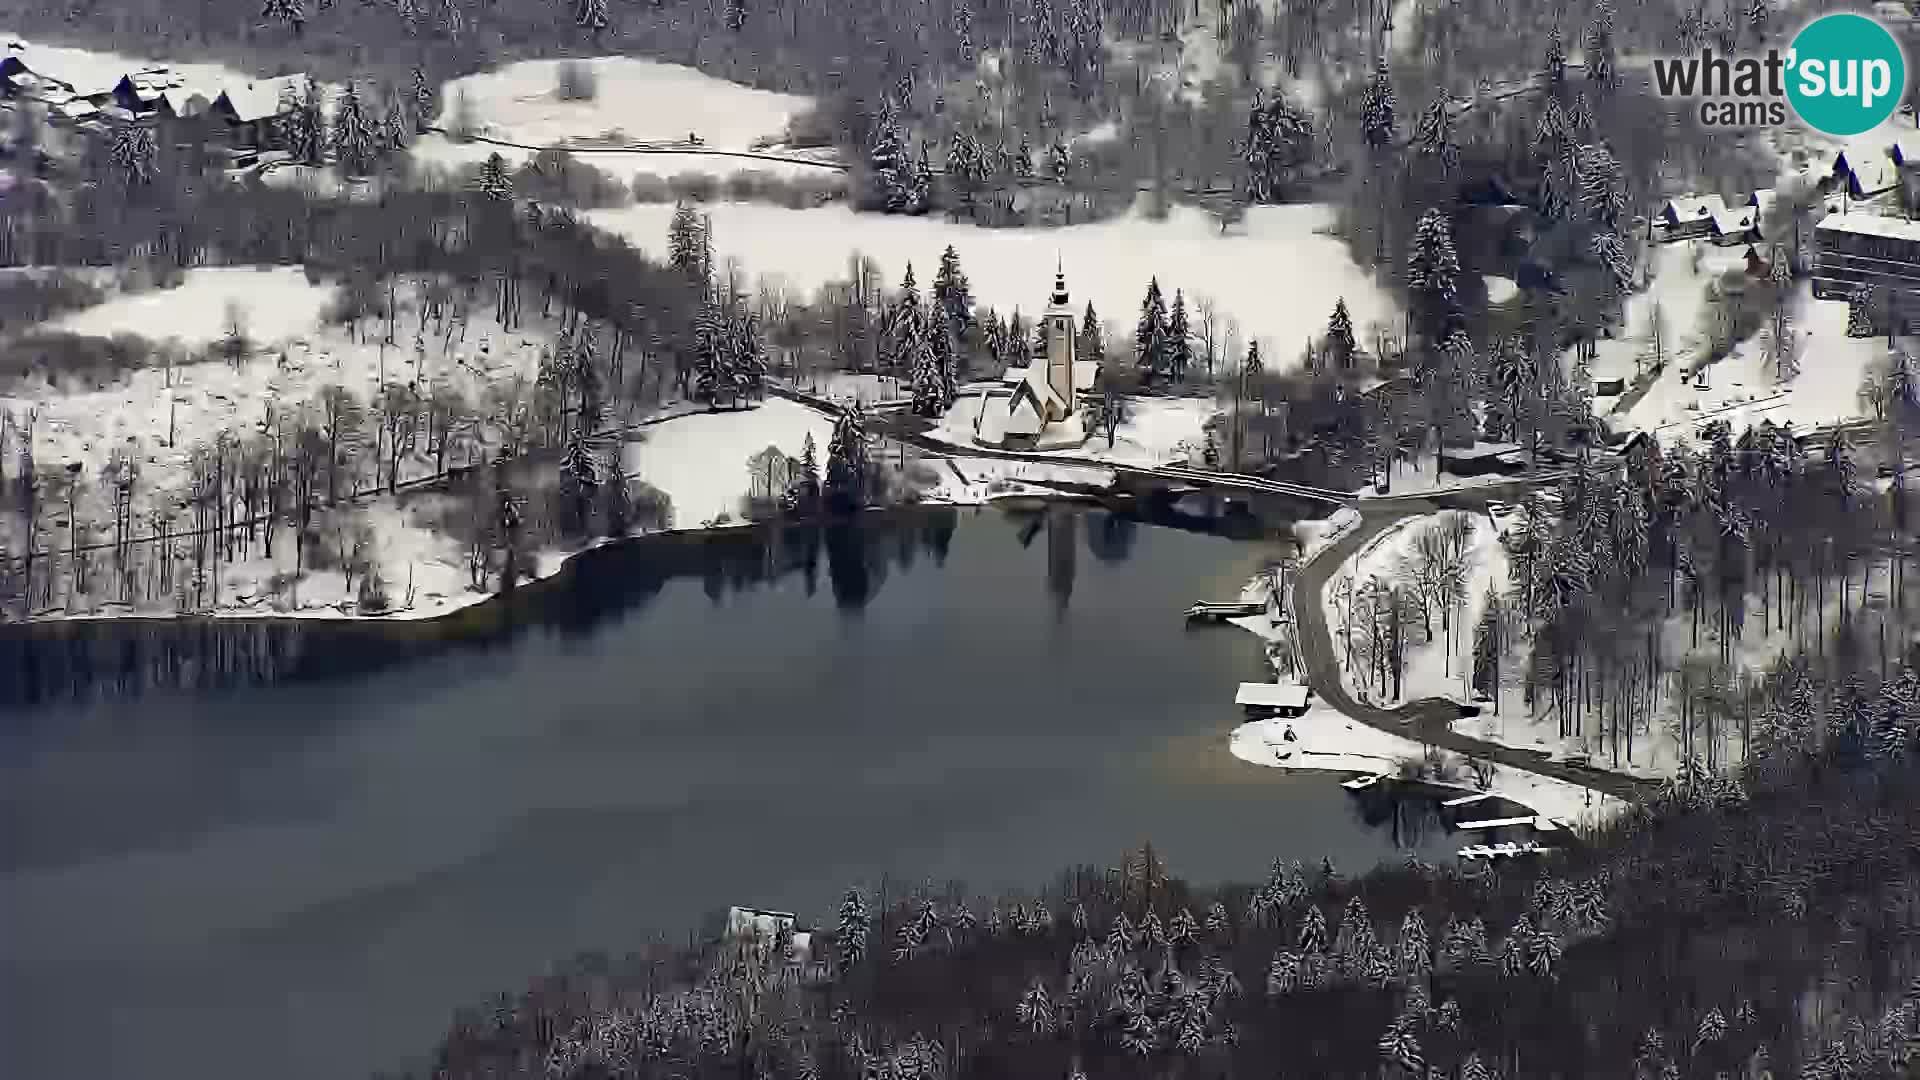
(1735, 226)
(1040, 408)
(180, 103)
(1688, 215)
(1481, 459)
(1609, 387)
(1874, 176)
(250, 109)
(1273, 699)
(1856, 249)
(139, 92)
(805, 959)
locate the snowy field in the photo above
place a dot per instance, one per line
(278, 302)
(1279, 281)
(850, 386)
(700, 461)
(1743, 390)
(1327, 741)
(635, 101)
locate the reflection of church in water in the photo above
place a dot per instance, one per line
(1036, 407)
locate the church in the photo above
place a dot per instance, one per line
(1036, 406)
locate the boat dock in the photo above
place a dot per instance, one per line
(1361, 783)
(1205, 612)
(1466, 799)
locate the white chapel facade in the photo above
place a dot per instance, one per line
(1036, 406)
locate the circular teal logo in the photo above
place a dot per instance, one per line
(1845, 74)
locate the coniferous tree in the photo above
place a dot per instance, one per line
(291, 12)
(1150, 334)
(848, 467)
(354, 137)
(713, 368)
(896, 184)
(494, 182)
(851, 932)
(1377, 120)
(1341, 346)
(1179, 339)
(581, 475)
(1279, 143)
(906, 328)
(945, 346)
(1433, 272)
(929, 382)
(591, 14)
(1092, 344)
(133, 153)
(1433, 135)
(953, 292)
(1059, 162)
(426, 101)
(686, 242)
(736, 15)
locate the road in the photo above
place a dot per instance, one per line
(1427, 719)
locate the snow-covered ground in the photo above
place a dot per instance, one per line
(1326, 741)
(1442, 666)
(846, 386)
(635, 101)
(1743, 390)
(1283, 253)
(700, 461)
(1500, 289)
(1157, 431)
(276, 302)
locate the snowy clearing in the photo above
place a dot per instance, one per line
(1282, 254)
(1444, 564)
(1326, 741)
(700, 461)
(1500, 289)
(276, 300)
(519, 103)
(1743, 390)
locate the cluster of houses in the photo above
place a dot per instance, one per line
(1863, 237)
(237, 117)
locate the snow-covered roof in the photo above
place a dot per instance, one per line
(1692, 208)
(1043, 390)
(744, 921)
(182, 101)
(260, 99)
(1873, 175)
(1728, 222)
(76, 107)
(1014, 375)
(1869, 225)
(1905, 149)
(1023, 417)
(1272, 695)
(1762, 200)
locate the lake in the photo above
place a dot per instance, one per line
(300, 867)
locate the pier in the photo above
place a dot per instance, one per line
(1205, 612)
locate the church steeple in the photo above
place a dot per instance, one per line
(1059, 297)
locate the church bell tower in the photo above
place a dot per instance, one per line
(1062, 337)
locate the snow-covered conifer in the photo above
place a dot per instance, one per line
(291, 12)
(1340, 342)
(1416, 950)
(686, 241)
(494, 183)
(426, 101)
(1183, 929)
(1312, 936)
(1433, 134)
(850, 933)
(1179, 339)
(1377, 107)
(1219, 924)
(1433, 271)
(906, 328)
(591, 14)
(1860, 311)
(1036, 1007)
(355, 134)
(1150, 333)
(1120, 933)
(848, 469)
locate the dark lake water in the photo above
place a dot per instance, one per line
(300, 867)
